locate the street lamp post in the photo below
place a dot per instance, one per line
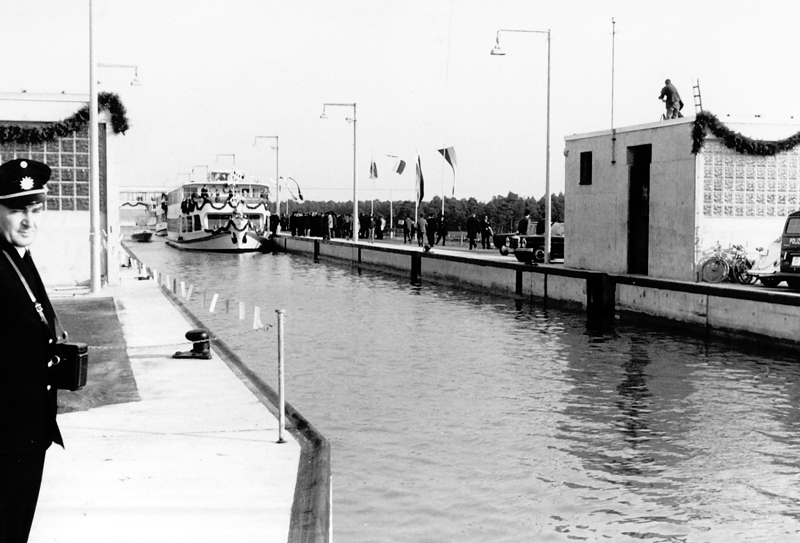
(547, 203)
(95, 242)
(355, 182)
(95, 281)
(277, 174)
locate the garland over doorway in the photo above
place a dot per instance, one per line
(15, 133)
(706, 121)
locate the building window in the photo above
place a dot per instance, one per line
(586, 168)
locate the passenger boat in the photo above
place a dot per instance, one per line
(224, 214)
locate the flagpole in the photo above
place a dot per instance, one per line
(391, 213)
(416, 197)
(443, 189)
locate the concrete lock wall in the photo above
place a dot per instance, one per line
(715, 308)
(680, 306)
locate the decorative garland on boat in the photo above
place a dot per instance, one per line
(192, 205)
(227, 228)
(128, 204)
(736, 141)
(14, 133)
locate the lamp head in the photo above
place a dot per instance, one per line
(496, 51)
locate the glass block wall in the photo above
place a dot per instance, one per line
(736, 185)
(68, 188)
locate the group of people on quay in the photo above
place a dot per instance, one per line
(433, 229)
(330, 225)
(426, 231)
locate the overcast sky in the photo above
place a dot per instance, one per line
(217, 74)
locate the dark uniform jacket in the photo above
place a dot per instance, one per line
(27, 407)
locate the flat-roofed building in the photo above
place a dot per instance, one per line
(652, 199)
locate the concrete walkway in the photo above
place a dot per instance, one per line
(195, 459)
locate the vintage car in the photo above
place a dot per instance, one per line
(529, 248)
(767, 267)
(781, 261)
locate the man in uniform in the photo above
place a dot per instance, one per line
(27, 403)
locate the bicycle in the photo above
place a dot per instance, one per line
(715, 268)
(740, 266)
(731, 264)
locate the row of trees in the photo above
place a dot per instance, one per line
(504, 212)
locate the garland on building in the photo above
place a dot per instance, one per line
(15, 133)
(706, 121)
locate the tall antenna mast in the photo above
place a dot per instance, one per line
(613, 132)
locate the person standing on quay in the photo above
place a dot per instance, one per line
(473, 225)
(28, 403)
(432, 229)
(422, 229)
(524, 224)
(486, 233)
(441, 230)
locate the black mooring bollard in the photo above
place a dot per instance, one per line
(201, 348)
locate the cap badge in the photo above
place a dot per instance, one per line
(23, 164)
(26, 183)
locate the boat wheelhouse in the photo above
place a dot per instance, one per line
(223, 214)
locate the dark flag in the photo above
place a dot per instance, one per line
(420, 182)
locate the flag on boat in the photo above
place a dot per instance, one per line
(400, 166)
(420, 182)
(373, 170)
(449, 154)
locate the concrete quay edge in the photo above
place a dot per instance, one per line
(195, 459)
(743, 313)
(311, 518)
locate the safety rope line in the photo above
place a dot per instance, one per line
(181, 344)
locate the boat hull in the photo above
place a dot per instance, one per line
(142, 237)
(222, 242)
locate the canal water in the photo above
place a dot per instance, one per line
(456, 416)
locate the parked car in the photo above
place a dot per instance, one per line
(781, 261)
(529, 248)
(767, 266)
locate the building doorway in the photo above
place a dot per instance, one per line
(639, 158)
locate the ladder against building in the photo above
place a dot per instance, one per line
(698, 102)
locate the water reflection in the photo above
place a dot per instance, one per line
(460, 417)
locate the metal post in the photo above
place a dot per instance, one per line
(281, 397)
(355, 179)
(548, 207)
(278, 182)
(355, 182)
(94, 167)
(547, 204)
